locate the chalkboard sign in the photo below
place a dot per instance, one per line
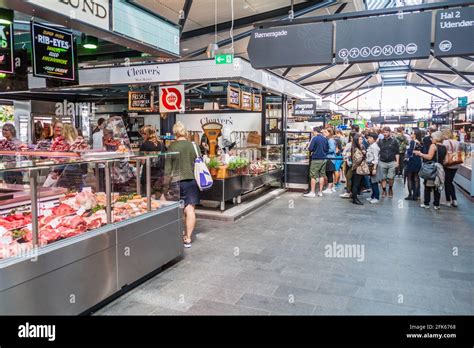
(246, 101)
(256, 102)
(140, 100)
(53, 52)
(233, 97)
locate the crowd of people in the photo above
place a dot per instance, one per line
(370, 160)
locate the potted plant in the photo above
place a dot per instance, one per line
(213, 166)
(242, 164)
(233, 166)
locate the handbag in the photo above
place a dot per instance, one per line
(453, 157)
(428, 169)
(201, 172)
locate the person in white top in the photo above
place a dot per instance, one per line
(98, 135)
(452, 146)
(373, 155)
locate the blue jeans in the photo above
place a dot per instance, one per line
(367, 181)
(375, 190)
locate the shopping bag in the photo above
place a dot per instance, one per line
(201, 172)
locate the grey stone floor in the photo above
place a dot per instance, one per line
(274, 262)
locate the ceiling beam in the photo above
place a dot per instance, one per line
(324, 68)
(353, 83)
(246, 21)
(337, 78)
(247, 33)
(371, 13)
(186, 9)
(341, 8)
(358, 96)
(454, 70)
(356, 88)
(287, 70)
(434, 95)
(437, 79)
(341, 79)
(432, 84)
(440, 72)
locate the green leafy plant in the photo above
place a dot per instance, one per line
(214, 163)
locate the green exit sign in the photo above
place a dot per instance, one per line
(224, 58)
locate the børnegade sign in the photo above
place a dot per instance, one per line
(304, 108)
(296, 45)
(454, 32)
(407, 36)
(53, 52)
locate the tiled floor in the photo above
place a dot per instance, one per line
(275, 261)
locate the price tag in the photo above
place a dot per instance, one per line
(55, 223)
(6, 240)
(47, 205)
(81, 211)
(29, 227)
(47, 213)
(2, 230)
(87, 189)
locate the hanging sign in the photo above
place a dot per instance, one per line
(304, 108)
(172, 98)
(256, 102)
(405, 36)
(233, 97)
(53, 52)
(295, 45)
(94, 12)
(440, 119)
(140, 100)
(407, 119)
(454, 32)
(141, 74)
(6, 41)
(246, 101)
(19, 80)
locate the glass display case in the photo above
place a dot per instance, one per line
(249, 169)
(297, 146)
(465, 175)
(70, 211)
(273, 120)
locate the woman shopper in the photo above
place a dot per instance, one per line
(452, 146)
(373, 154)
(436, 152)
(184, 167)
(151, 143)
(359, 166)
(330, 166)
(413, 165)
(10, 143)
(347, 166)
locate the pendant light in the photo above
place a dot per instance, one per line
(90, 42)
(212, 48)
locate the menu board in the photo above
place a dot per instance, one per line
(233, 97)
(256, 102)
(246, 101)
(6, 41)
(304, 108)
(53, 52)
(140, 100)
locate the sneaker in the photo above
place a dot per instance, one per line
(425, 206)
(374, 201)
(436, 207)
(320, 194)
(187, 245)
(345, 195)
(390, 193)
(455, 203)
(384, 194)
(448, 204)
(369, 199)
(309, 195)
(334, 190)
(328, 190)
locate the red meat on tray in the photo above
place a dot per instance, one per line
(62, 209)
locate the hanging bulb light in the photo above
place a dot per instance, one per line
(90, 42)
(213, 47)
